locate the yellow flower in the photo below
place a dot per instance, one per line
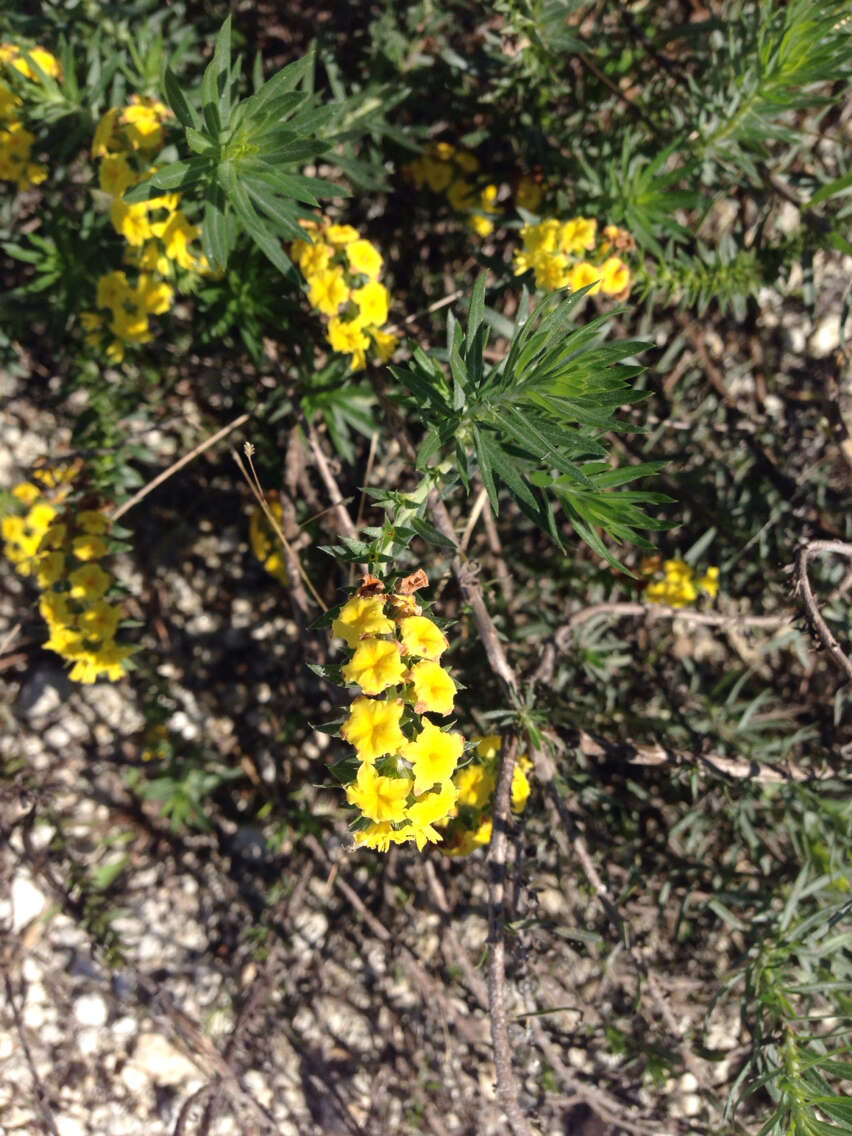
(615, 276)
(91, 521)
(176, 233)
(8, 102)
(434, 690)
(113, 290)
(437, 174)
(434, 806)
(709, 582)
(428, 811)
(348, 337)
(488, 198)
(434, 754)
(26, 492)
(100, 620)
(376, 665)
(65, 641)
(312, 258)
(530, 193)
(373, 728)
(482, 835)
(543, 237)
(131, 326)
(89, 547)
(105, 133)
(422, 638)
(131, 221)
(54, 537)
(488, 746)
(483, 226)
(152, 295)
(359, 617)
(143, 124)
(578, 234)
(460, 195)
(364, 257)
(107, 660)
(379, 798)
(341, 234)
(467, 162)
(50, 568)
(551, 271)
(475, 786)
(372, 300)
(582, 274)
(328, 291)
(520, 784)
(40, 516)
(89, 582)
(115, 175)
(16, 57)
(379, 836)
(386, 343)
(55, 608)
(264, 542)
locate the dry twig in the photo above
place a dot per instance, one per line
(179, 464)
(803, 589)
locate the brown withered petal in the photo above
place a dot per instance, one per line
(413, 583)
(370, 586)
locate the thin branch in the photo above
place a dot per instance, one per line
(344, 521)
(803, 588)
(9, 638)
(740, 768)
(478, 505)
(493, 537)
(39, 1092)
(472, 594)
(254, 485)
(507, 1088)
(663, 611)
(185, 460)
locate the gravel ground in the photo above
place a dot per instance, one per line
(223, 983)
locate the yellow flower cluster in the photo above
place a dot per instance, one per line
(471, 825)
(157, 233)
(343, 272)
(568, 254)
(63, 547)
(23, 530)
(404, 785)
(446, 169)
(16, 142)
(264, 542)
(676, 583)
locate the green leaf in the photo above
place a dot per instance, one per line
(176, 175)
(842, 184)
(186, 114)
(430, 534)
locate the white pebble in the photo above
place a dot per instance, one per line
(27, 902)
(88, 1041)
(90, 1010)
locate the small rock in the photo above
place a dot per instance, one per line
(88, 1041)
(69, 1126)
(33, 1016)
(27, 902)
(161, 1061)
(825, 337)
(90, 1010)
